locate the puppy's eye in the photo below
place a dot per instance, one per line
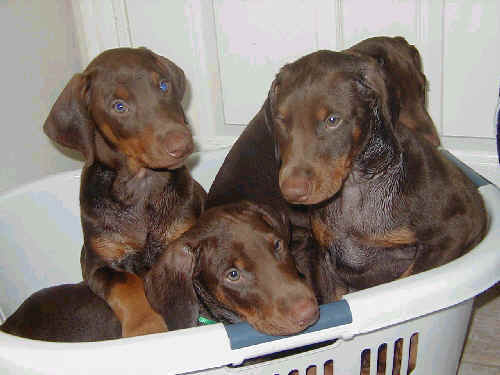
(332, 121)
(277, 245)
(120, 106)
(233, 274)
(280, 119)
(163, 85)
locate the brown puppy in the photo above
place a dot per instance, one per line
(386, 203)
(64, 313)
(124, 114)
(402, 65)
(234, 264)
(251, 167)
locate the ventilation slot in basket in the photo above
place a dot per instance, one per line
(312, 359)
(311, 370)
(412, 358)
(383, 362)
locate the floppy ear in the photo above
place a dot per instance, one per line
(69, 122)
(172, 70)
(384, 112)
(273, 93)
(401, 62)
(380, 93)
(169, 285)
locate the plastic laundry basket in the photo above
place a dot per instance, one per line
(40, 242)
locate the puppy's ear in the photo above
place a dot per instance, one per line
(169, 285)
(416, 115)
(69, 122)
(402, 64)
(273, 94)
(276, 220)
(172, 70)
(380, 94)
(383, 109)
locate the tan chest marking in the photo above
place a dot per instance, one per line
(322, 233)
(114, 246)
(395, 237)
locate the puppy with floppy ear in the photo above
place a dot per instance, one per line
(124, 114)
(385, 203)
(233, 265)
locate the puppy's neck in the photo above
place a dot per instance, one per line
(211, 308)
(106, 154)
(133, 181)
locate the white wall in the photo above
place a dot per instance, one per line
(230, 51)
(39, 55)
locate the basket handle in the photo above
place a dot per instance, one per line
(331, 315)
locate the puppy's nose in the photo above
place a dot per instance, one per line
(179, 143)
(305, 312)
(296, 189)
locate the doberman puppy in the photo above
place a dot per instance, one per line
(385, 202)
(233, 265)
(124, 114)
(250, 169)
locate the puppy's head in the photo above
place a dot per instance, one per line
(403, 66)
(130, 99)
(325, 107)
(236, 260)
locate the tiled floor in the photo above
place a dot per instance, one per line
(482, 349)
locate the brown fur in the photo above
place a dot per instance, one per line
(127, 297)
(191, 276)
(402, 66)
(380, 197)
(389, 209)
(136, 196)
(189, 279)
(68, 312)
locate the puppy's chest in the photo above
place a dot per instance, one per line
(359, 230)
(158, 214)
(160, 218)
(350, 217)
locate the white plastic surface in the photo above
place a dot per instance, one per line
(40, 242)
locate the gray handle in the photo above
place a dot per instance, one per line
(331, 315)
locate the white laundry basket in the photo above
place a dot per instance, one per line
(40, 242)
